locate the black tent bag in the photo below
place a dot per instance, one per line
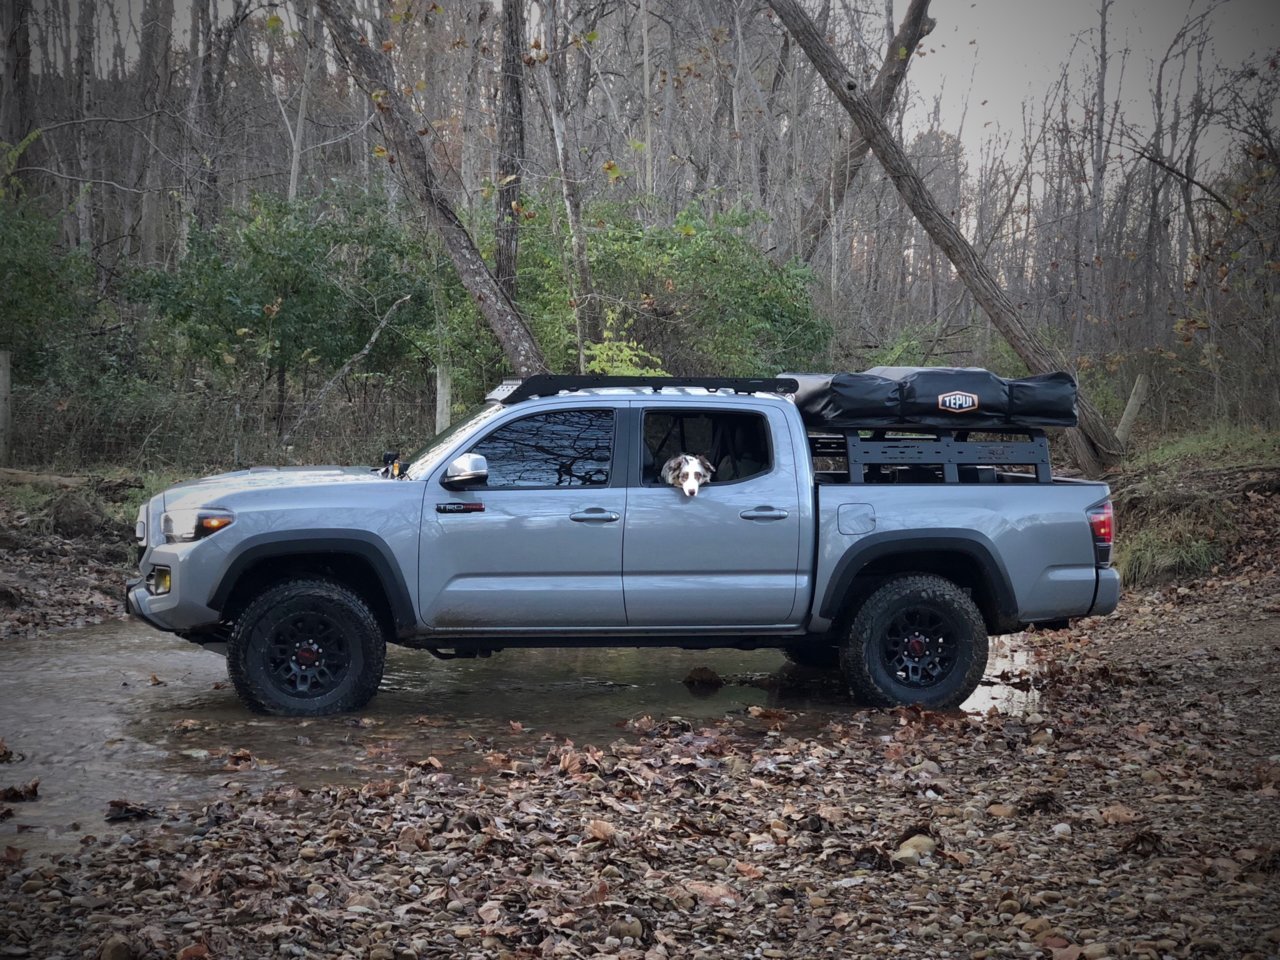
(935, 397)
(840, 399)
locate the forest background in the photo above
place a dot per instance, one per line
(211, 254)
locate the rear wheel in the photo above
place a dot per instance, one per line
(917, 640)
(306, 648)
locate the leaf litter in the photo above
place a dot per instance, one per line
(1132, 815)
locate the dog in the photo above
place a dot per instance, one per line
(687, 472)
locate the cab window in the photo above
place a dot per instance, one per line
(736, 444)
(563, 448)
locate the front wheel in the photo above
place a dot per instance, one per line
(918, 639)
(306, 648)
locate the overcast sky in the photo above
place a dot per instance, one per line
(1018, 47)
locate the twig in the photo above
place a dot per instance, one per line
(342, 372)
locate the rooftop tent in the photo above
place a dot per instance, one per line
(935, 397)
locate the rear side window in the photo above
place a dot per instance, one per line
(565, 448)
(735, 444)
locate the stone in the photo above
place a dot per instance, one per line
(626, 927)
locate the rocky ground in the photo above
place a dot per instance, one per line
(1132, 815)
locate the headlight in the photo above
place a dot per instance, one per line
(183, 526)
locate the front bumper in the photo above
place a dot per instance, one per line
(167, 612)
(1106, 595)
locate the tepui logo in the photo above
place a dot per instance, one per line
(957, 401)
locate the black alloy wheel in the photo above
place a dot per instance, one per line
(919, 645)
(307, 655)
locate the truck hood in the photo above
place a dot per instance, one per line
(207, 490)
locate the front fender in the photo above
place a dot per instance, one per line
(320, 543)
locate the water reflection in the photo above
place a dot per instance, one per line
(121, 712)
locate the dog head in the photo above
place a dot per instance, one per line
(687, 472)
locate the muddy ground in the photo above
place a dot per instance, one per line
(1117, 797)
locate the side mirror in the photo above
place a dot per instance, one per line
(467, 469)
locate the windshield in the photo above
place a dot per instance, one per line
(428, 458)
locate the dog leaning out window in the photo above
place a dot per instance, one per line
(732, 444)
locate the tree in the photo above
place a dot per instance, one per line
(407, 148)
(510, 147)
(1094, 444)
(817, 217)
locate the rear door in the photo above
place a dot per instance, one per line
(730, 555)
(540, 545)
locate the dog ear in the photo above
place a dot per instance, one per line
(706, 465)
(670, 469)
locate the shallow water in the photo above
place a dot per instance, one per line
(120, 711)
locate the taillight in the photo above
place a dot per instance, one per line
(1102, 521)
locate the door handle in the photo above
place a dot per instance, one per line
(763, 513)
(595, 515)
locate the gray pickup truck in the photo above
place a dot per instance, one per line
(886, 549)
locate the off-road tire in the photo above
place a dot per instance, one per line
(814, 656)
(348, 650)
(950, 637)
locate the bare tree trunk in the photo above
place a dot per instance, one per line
(313, 36)
(648, 109)
(1101, 151)
(86, 33)
(510, 147)
(818, 215)
(584, 293)
(409, 152)
(1094, 444)
(16, 118)
(151, 80)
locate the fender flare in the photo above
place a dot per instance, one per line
(318, 543)
(876, 546)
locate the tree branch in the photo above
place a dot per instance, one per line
(342, 372)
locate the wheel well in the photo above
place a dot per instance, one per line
(348, 569)
(954, 565)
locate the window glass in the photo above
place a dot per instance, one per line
(566, 448)
(735, 444)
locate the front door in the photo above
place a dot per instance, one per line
(730, 555)
(540, 545)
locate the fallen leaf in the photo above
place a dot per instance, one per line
(124, 810)
(1118, 814)
(713, 893)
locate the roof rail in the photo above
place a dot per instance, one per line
(549, 384)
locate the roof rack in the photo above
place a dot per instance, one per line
(549, 384)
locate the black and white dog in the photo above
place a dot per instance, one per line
(687, 472)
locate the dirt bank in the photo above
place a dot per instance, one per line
(65, 550)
